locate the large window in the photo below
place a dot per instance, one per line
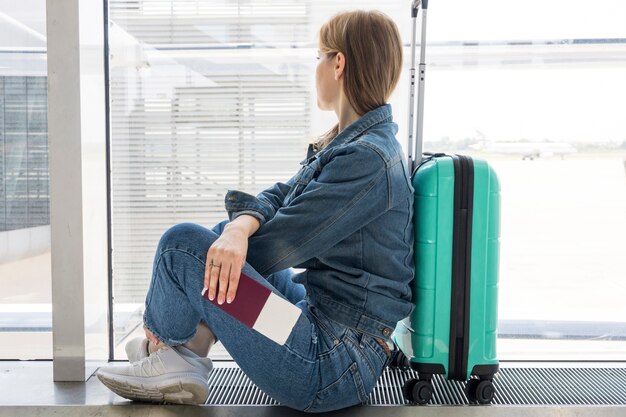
(210, 96)
(214, 95)
(25, 312)
(541, 97)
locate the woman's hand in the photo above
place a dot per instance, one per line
(226, 257)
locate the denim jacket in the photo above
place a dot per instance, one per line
(346, 217)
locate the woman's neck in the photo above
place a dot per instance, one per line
(345, 113)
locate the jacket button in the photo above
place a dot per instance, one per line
(386, 331)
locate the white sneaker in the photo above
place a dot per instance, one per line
(137, 349)
(171, 374)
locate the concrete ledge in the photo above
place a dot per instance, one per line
(276, 411)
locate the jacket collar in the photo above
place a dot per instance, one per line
(354, 130)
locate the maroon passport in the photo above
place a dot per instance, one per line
(248, 303)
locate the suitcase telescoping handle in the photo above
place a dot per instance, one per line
(416, 130)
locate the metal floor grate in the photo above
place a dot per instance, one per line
(514, 386)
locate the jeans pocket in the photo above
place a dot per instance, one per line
(369, 361)
(346, 391)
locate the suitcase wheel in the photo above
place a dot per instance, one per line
(480, 391)
(400, 361)
(417, 391)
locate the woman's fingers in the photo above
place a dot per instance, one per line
(207, 269)
(223, 281)
(207, 278)
(233, 283)
(219, 267)
(214, 274)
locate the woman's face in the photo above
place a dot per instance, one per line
(325, 82)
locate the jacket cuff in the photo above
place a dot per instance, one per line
(238, 203)
(256, 215)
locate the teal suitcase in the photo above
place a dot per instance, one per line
(452, 330)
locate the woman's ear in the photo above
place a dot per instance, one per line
(340, 64)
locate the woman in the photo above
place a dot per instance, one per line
(345, 218)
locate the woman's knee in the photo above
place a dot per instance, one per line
(174, 234)
(186, 233)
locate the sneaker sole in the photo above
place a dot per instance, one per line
(174, 389)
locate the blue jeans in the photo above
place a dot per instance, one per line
(322, 366)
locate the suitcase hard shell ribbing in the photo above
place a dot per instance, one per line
(452, 330)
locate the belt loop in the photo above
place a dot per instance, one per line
(361, 339)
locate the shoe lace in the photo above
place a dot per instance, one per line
(151, 365)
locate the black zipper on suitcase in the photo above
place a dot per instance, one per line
(461, 266)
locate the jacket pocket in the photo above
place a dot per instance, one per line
(301, 180)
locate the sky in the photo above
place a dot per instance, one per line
(568, 103)
(452, 19)
(508, 19)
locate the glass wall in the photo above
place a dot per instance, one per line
(210, 96)
(205, 97)
(539, 93)
(25, 298)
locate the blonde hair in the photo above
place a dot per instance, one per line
(371, 44)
